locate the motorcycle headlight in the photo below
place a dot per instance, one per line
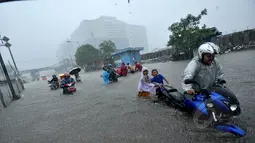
(210, 105)
(233, 107)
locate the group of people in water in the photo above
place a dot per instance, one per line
(204, 68)
(66, 80)
(109, 75)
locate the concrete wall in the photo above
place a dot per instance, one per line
(5, 92)
(225, 42)
(235, 39)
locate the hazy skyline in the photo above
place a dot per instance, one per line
(36, 28)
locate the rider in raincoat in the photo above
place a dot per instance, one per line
(204, 69)
(66, 80)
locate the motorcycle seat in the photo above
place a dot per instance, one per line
(177, 96)
(189, 97)
(170, 88)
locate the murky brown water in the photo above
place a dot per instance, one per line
(113, 113)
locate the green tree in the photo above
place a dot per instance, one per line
(86, 55)
(107, 48)
(187, 34)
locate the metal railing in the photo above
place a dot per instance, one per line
(6, 95)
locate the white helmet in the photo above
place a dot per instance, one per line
(205, 48)
(215, 47)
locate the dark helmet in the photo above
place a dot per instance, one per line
(105, 67)
(154, 70)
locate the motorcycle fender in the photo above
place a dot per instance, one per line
(217, 100)
(200, 106)
(189, 104)
(231, 129)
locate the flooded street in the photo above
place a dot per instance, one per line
(113, 113)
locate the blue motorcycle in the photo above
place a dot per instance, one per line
(211, 107)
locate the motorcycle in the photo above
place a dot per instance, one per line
(69, 88)
(113, 77)
(214, 108)
(53, 85)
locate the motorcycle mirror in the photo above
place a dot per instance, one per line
(222, 81)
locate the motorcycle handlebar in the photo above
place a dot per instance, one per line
(202, 91)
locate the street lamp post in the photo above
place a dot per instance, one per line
(76, 47)
(8, 45)
(14, 95)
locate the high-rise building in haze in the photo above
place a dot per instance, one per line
(103, 28)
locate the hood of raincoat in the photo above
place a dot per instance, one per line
(143, 69)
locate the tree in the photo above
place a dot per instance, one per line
(86, 55)
(187, 35)
(107, 48)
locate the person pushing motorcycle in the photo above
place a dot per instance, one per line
(204, 69)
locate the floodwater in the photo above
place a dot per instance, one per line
(113, 113)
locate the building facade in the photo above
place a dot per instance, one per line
(103, 28)
(127, 55)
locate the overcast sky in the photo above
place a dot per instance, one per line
(36, 28)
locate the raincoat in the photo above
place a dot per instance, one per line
(145, 85)
(105, 76)
(65, 81)
(206, 76)
(124, 69)
(138, 67)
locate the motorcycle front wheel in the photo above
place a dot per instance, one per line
(201, 121)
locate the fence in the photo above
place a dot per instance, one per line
(6, 95)
(235, 39)
(242, 38)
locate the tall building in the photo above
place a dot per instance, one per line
(103, 28)
(66, 50)
(137, 37)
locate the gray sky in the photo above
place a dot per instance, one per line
(36, 28)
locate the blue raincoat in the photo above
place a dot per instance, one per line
(105, 77)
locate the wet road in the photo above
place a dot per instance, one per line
(113, 113)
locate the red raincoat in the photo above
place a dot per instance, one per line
(138, 67)
(124, 69)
